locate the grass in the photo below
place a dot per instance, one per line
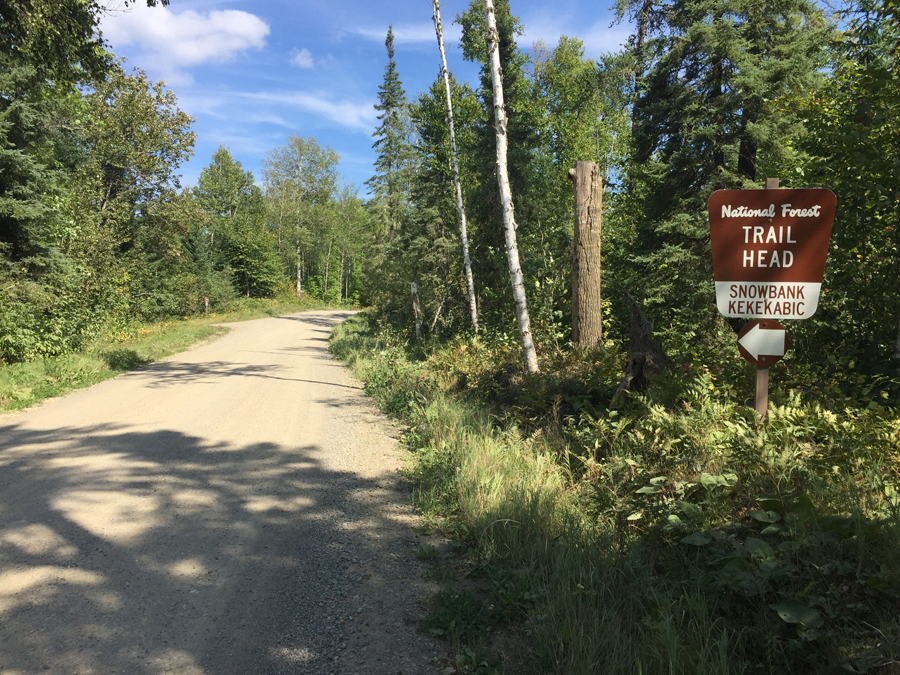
(678, 536)
(26, 384)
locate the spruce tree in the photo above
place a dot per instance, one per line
(713, 113)
(852, 139)
(390, 184)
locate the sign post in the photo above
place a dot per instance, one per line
(769, 249)
(763, 342)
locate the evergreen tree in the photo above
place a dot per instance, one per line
(390, 184)
(711, 114)
(47, 47)
(427, 248)
(854, 149)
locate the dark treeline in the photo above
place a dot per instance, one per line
(96, 231)
(705, 96)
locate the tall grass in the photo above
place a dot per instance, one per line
(682, 537)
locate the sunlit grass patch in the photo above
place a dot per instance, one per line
(675, 535)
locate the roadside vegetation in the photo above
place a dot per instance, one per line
(28, 383)
(98, 235)
(677, 534)
(615, 503)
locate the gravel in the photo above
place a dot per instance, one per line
(235, 509)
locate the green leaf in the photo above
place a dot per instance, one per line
(772, 529)
(711, 480)
(637, 515)
(758, 548)
(649, 490)
(765, 516)
(792, 611)
(697, 539)
(659, 480)
(771, 504)
(809, 634)
(691, 510)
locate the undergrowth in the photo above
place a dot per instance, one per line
(678, 535)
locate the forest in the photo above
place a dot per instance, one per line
(97, 235)
(98, 232)
(707, 96)
(658, 527)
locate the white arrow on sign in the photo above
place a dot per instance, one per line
(759, 342)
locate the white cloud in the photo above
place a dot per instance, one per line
(598, 38)
(274, 108)
(173, 42)
(411, 32)
(355, 116)
(302, 58)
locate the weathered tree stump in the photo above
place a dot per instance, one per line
(587, 313)
(646, 358)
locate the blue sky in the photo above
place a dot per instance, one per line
(251, 73)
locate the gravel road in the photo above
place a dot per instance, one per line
(234, 509)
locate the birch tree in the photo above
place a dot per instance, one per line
(461, 210)
(509, 222)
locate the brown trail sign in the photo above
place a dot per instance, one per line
(769, 249)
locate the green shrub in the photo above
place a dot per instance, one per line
(678, 535)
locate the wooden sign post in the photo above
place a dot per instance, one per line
(763, 342)
(769, 249)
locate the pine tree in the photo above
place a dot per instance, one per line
(711, 114)
(390, 184)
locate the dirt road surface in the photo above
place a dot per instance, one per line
(234, 509)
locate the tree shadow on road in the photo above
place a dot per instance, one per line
(180, 373)
(140, 553)
(314, 319)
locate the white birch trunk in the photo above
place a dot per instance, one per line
(509, 222)
(464, 237)
(341, 277)
(347, 279)
(417, 310)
